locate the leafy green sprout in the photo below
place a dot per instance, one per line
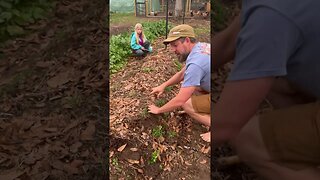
(154, 156)
(160, 102)
(168, 89)
(115, 161)
(172, 134)
(177, 64)
(145, 113)
(147, 69)
(158, 131)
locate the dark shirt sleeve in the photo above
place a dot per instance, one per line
(265, 43)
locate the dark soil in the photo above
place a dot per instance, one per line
(53, 96)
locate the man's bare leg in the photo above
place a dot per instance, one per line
(202, 118)
(251, 150)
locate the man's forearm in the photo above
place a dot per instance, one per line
(224, 44)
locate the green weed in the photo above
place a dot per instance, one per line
(154, 156)
(158, 131)
(171, 134)
(160, 102)
(145, 113)
(168, 88)
(16, 14)
(147, 69)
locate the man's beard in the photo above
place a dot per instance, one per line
(183, 57)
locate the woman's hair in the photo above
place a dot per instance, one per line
(138, 25)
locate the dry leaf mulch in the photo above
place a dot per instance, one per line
(53, 99)
(182, 154)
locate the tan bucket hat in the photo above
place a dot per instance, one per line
(179, 31)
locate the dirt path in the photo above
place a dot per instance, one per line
(52, 97)
(173, 136)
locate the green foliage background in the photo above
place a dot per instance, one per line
(219, 15)
(119, 48)
(16, 14)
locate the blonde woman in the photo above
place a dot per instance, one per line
(139, 44)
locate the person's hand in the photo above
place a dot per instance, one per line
(158, 90)
(153, 109)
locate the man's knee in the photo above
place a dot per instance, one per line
(249, 143)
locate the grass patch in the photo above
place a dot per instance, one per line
(119, 18)
(158, 131)
(200, 31)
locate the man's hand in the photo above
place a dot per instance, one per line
(158, 89)
(153, 109)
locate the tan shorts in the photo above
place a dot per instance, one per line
(292, 135)
(201, 103)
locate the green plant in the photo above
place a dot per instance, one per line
(166, 115)
(145, 113)
(168, 88)
(119, 51)
(171, 134)
(158, 131)
(115, 161)
(154, 156)
(15, 14)
(160, 102)
(177, 64)
(147, 69)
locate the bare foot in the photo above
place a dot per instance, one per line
(206, 136)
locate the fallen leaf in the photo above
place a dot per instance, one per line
(88, 133)
(140, 171)
(121, 148)
(134, 149)
(58, 80)
(12, 174)
(131, 161)
(203, 161)
(187, 163)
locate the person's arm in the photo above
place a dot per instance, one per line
(133, 43)
(178, 77)
(224, 44)
(238, 102)
(181, 98)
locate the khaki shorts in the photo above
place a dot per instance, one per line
(201, 103)
(292, 135)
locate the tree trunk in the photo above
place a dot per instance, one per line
(178, 8)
